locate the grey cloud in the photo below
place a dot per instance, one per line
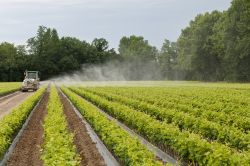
(111, 19)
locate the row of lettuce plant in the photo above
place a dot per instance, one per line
(189, 146)
(213, 131)
(11, 123)
(58, 147)
(240, 122)
(211, 98)
(219, 101)
(126, 148)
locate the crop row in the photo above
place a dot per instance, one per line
(205, 94)
(58, 148)
(126, 148)
(240, 122)
(12, 122)
(6, 88)
(218, 100)
(189, 146)
(210, 130)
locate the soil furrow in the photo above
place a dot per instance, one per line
(85, 146)
(27, 150)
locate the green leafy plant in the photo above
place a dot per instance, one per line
(126, 148)
(11, 123)
(58, 148)
(218, 105)
(228, 135)
(188, 145)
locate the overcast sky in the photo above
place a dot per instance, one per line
(111, 19)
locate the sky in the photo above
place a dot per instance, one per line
(155, 20)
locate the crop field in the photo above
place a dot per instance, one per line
(113, 96)
(7, 87)
(129, 123)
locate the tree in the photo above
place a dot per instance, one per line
(196, 47)
(52, 55)
(168, 59)
(74, 47)
(103, 53)
(140, 58)
(237, 41)
(8, 54)
(44, 49)
(68, 64)
(135, 47)
(100, 44)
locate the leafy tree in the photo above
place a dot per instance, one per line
(68, 63)
(139, 56)
(216, 46)
(100, 44)
(135, 47)
(44, 50)
(168, 59)
(103, 53)
(196, 45)
(74, 47)
(237, 41)
(52, 55)
(8, 54)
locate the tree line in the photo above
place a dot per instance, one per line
(214, 47)
(50, 55)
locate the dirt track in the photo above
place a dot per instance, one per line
(85, 147)
(8, 103)
(27, 150)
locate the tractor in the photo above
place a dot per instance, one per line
(31, 81)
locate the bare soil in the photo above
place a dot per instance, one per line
(85, 147)
(7, 104)
(27, 150)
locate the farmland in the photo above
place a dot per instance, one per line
(7, 87)
(124, 83)
(185, 122)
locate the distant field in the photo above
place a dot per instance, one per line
(158, 84)
(8, 87)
